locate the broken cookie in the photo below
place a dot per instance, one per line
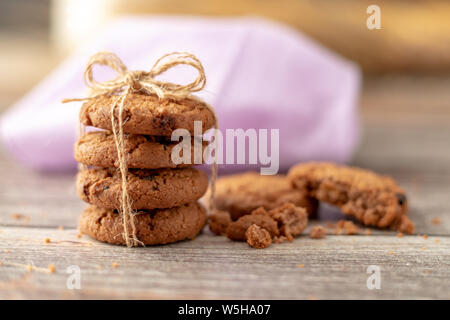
(282, 223)
(236, 230)
(291, 220)
(372, 199)
(258, 237)
(240, 194)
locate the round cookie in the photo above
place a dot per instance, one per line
(240, 194)
(373, 199)
(148, 189)
(147, 114)
(146, 152)
(152, 227)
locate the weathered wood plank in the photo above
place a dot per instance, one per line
(214, 267)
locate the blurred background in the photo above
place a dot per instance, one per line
(35, 35)
(405, 64)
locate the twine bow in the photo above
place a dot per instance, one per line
(127, 82)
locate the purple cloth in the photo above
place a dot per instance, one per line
(259, 75)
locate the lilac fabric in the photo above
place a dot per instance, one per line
(259, 75)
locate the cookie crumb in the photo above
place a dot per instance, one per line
(258, 237)
(300, 265)
(317, 232)
(60, 227)
(51, 268)
(436, 221)
(292, 220)
(348, 227)
(237, 229)
(18, 216)
(282, 223)
(391, 252)
(399, 235)
(425, 236)
(219, 221)
(406, 225)
(368, 232)
(47, 240)
(79, 235)
(279, 239)
(114, 265)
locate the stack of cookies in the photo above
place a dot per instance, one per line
(163, 194)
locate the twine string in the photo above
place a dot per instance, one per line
(127, 82)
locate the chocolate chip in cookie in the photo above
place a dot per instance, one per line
(148, 189)
(147, 114)
(146, 152)
(159, 226)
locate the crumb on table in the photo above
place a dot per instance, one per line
(317, 232)
(51, 268)
(258, 237)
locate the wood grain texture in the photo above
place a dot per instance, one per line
(401, 137)
(214, 267)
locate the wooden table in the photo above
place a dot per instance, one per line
(406, 123)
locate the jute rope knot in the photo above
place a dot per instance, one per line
(127, 82)
(144, 81)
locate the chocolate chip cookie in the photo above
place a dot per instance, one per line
(159, 226)
(148, 189)
(141, 151)
(240, 194)
(373, 199)
(147, 114)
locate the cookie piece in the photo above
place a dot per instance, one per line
(236, 230)
(258, 237)
(152, 226)
(291, 220)
(240, 194)
(404, 225)
(372, 199)
(346, 227)
(148, 189)
(144, 152)
(317, 232)
(147, 114)
(218, 222)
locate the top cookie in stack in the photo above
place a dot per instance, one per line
(163, 194)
